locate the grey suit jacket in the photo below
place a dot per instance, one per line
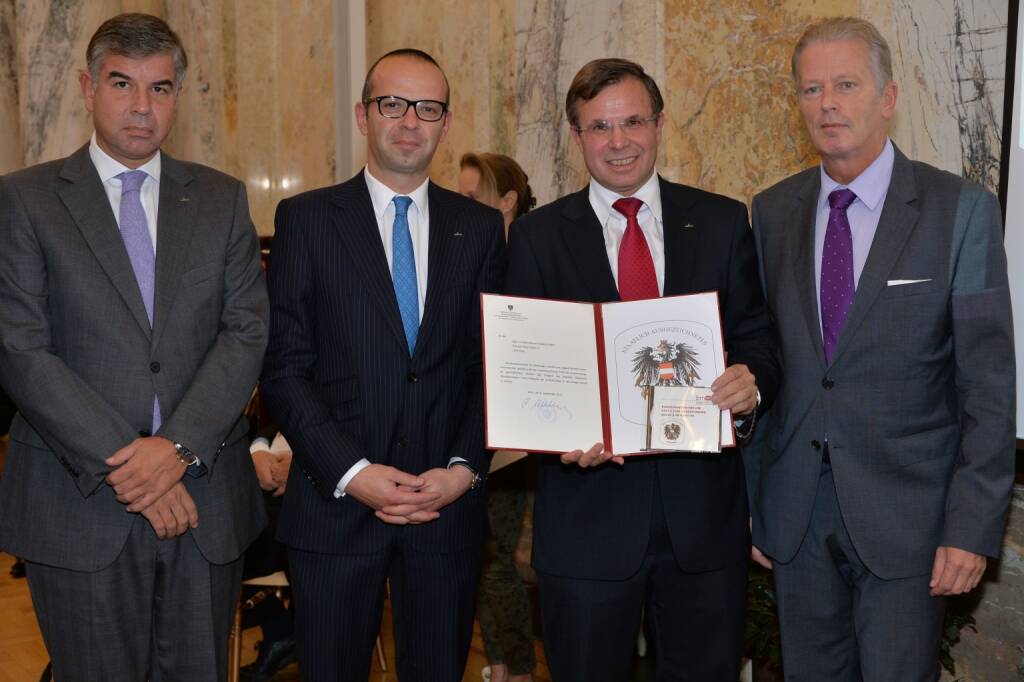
(79, 358)
(918, 403)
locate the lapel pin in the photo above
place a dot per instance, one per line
(183, 199)
(457, 234)
(688, 226)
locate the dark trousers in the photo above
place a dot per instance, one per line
(842, 623)
(160, 612)
(339, 600)
(591, 626)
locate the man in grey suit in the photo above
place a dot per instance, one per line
(881, 477)
(133, 320)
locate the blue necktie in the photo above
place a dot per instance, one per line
(139, 245)
(403, 272)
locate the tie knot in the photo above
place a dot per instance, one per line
(628, 207)
(841, 199)
(131, 181)
(401, 205)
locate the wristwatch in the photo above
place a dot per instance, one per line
(185, 456)
(478, 480)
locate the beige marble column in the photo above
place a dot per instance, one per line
(10, 120)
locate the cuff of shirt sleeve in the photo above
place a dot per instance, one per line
(259, 444)
(339, 491)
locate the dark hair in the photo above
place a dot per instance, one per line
(404, 52)
(597, 75)
(835, 29)
(135, 36)
(500, 174)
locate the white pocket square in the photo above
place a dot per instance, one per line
(901, 282)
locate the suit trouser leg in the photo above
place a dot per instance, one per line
(126, 621)
(841, 622)
(338, 605)
(590, 626)
(433, 599)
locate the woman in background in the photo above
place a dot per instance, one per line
(504, 606)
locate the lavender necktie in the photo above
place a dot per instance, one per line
(836, 270)
(139, 245)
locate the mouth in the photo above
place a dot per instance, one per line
(137, 131)
(622, 163)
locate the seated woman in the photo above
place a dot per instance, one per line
(504, 606)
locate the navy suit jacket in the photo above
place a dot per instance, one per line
(595, 523)
(338, 376)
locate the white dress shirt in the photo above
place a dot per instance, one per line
(614, 224)
(382, 198)
(109, 168)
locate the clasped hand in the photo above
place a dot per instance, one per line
(400, 498)
(144, 470)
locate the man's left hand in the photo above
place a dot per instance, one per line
(735, 389)
(144, 470)
(447, 485)
(956, 571)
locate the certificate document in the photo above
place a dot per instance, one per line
(561, 375)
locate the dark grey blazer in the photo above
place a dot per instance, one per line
(78, 357)
(918, 404)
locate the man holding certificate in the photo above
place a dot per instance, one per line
(667, 532)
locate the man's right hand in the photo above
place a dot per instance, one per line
(378, 486)
(173, 513)
(593, 457)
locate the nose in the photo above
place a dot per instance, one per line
(617, 137)
(828, 99)
(410, 119)
(141, 102)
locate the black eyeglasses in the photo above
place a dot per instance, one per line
(391, 106)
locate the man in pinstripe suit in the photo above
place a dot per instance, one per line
(373, 371)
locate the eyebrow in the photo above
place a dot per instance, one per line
(122, 76)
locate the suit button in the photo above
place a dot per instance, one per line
(816, 445)
(411, 377)
(154, 367)
(144, 433)
(403, 442)
(827, 383)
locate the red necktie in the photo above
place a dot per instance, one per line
(636, 268)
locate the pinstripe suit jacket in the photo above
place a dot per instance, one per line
(81, 362)
(595, 523)
(338, 376)
(918, 403)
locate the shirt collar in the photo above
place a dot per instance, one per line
(602, 198)
(381, 195)
(108, 167)
(870, 186)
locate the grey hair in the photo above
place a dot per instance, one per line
(849, 28)
(136, 36)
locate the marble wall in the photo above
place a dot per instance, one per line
(723, 66)
(258, 102)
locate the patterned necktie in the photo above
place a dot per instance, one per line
(836, 270)
(403, 272)
(636, 267)
(139, 245)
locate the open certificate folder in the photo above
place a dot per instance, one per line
(561, 375)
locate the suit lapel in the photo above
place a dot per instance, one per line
(805, 206)
(86, 200)
(445, 247)
(358, 231)
(584, 241)
(897, 222)
(680, 233)
(176, 220)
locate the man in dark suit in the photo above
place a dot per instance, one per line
(134, 320)
(374, 374)
(886, 465)
(664, 533)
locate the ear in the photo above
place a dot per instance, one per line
(507, 203)
(361, 112)
(88, 89)
(447, 122)
(889, 95)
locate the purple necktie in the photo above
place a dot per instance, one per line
(139, 245)
(836, 270)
